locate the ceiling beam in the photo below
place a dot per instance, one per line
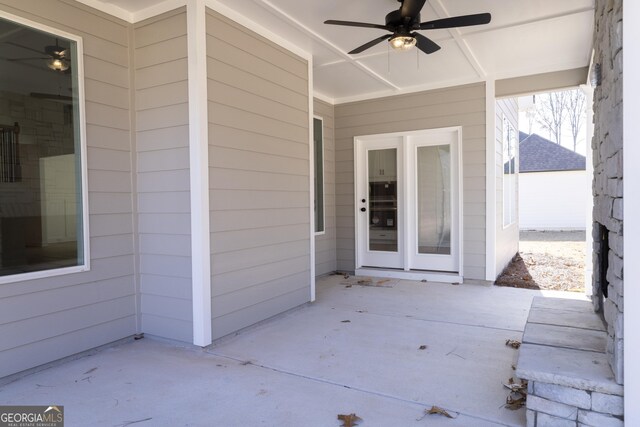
(275, 10)
(9, 34)
(482, 30)
(462, 44)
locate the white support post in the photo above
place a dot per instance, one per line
(490, 197)
(199, 172)
(312, 189)
(631, 149)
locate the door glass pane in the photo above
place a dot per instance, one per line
(383, 200)
(434, 200)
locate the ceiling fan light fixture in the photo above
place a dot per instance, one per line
(402, 42)
(58, 64)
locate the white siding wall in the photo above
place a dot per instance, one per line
(457, 106)
(259, 176)
(47, 319)
(326, 243)
(507, 238)
(163, 188)
(553, 200)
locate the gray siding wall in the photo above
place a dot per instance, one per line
(326, 261)
(163, 187)
(507, 238)
(457, 106)
(47, 319)
(259, 176)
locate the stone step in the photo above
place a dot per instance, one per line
(566, 337)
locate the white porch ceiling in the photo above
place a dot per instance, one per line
(525, 37)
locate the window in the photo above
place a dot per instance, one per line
(509, 183)
(42, 196)
(318, 145)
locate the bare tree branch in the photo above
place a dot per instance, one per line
(551, 110)
(575, 113)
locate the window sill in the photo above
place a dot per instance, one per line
(43, 274)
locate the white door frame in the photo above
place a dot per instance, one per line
(407, 273)
(366, 256)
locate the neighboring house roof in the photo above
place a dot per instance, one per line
(538, 154)
(523, 136)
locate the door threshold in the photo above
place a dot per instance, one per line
(429, 276)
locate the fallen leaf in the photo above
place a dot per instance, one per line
(349, 420)
(519, 388)
(438, 410)
(128, 423)
(422, 347)
(513, 344)
(346, 276)
(515, 403)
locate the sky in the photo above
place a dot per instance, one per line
(567, 138)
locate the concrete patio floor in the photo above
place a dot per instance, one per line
(355, 350)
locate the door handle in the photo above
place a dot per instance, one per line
(363, 209)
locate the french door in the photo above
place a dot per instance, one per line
(407, 201)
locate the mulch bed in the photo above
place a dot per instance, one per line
(543, 271)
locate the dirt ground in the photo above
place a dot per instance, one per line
(552, 260)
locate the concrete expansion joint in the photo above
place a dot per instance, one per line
(342, 385)
(421, 319)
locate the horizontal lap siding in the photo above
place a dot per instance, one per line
(259, 176)
(47, 319)
(458, 106)
(507, 239)
(326, 243)
(162, 144)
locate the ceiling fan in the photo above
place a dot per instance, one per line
(403, 24)
(57, 56)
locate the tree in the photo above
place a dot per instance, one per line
(551, 113)
(575, 113)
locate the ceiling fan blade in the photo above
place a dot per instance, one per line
(425, 44)
(355, 24)
(26, 48)
(457, 21)
(370, 44)
(26, 59)
(411, 8)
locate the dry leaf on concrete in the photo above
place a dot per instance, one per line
(422, 347)
(437, 410)
(520, 388)
(513, 344)
(349, 420)
(516, 401)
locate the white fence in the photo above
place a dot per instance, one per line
(553, 200)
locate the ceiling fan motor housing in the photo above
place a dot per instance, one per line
(395, 22)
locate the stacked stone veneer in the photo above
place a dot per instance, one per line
(608, 177)
(561, 406)
(563, 356)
